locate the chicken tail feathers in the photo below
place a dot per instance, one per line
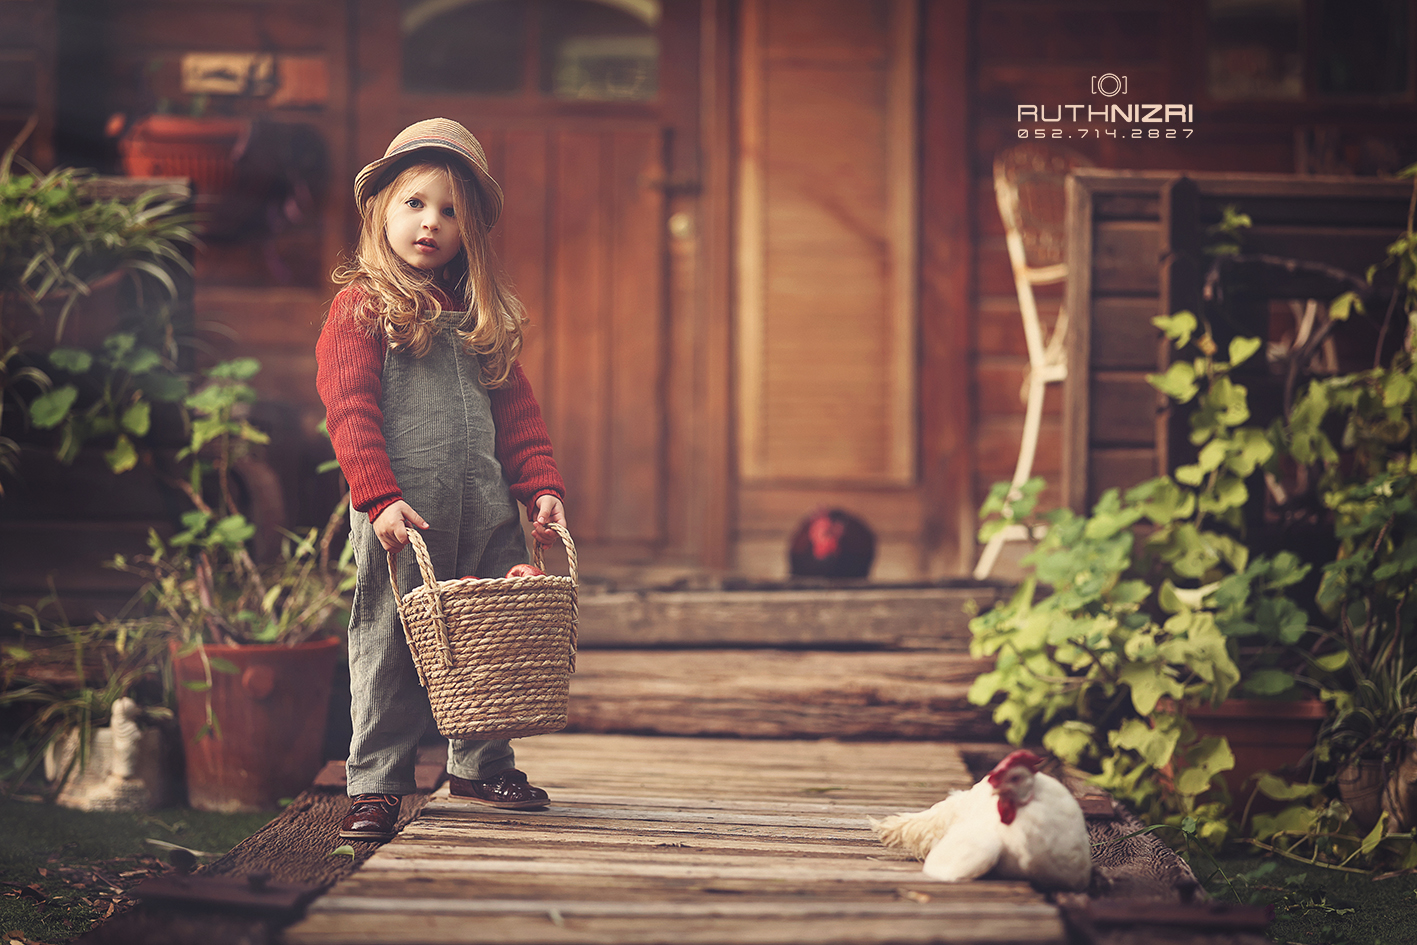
(913, 833)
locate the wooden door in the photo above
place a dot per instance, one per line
(578, 105)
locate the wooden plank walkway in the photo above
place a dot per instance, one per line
(685, 841)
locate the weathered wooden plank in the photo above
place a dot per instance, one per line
(1123, 409)
(556, 842)
(1124, 258)
(586, 815)
(1122, 335)
(528, 886)
(778, 694)
(764, 869)
(1013, 927)
(886, 618)
(569, 908)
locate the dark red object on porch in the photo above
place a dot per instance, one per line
(271, 717)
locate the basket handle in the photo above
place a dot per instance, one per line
(537, 559)
(430, 581)
(537, 555)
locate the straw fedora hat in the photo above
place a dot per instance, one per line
(435, 134)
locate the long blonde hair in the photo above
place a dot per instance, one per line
(400, 297)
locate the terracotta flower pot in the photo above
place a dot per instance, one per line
(1360, 786)
(202, 149)
(1264, 736)
(271, 716)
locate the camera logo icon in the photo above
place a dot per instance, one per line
(1109, 85)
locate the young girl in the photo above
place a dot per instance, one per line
(436, 428)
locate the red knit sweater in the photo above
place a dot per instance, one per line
(349, 377)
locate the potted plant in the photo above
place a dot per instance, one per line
(253, 645)
(62, 243)
(1139, 617)
(1357, 433)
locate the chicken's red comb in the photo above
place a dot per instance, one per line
(1021, 757)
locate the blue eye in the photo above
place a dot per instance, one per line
(449, 212)
(414, 202)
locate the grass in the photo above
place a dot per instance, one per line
(62, 870)
(1314, 905)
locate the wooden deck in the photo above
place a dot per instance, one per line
(665, 840)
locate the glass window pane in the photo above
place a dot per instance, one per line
(1254, 49)
(1361, 48)
(600, 51)
(475, 47)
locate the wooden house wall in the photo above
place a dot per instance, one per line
(27, 68)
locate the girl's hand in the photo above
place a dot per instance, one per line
(391, 525)
(548, 509)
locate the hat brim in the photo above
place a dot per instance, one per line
(377, 174)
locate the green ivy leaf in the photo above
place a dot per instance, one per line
(1154, 744)
(1268, 682)
(223, 665)
(1276, 788)
(233, 531)
(1343, 306)
(1178, 327)
(50, 408)
(1070, 740)
(1149, 682)
(73, 360)
(137, 419)
(1178, 382)
(141, 361)
(1242, 349)
(123, 456)
(237, 369)
(197, 685)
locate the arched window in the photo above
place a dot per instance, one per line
(575, 50)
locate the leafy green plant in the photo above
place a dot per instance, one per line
(1150, 604)
(12, 374)
(56, 239)
(202, 583)
(1355, 438)
(107, 393)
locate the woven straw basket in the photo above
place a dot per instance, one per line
(495, 654)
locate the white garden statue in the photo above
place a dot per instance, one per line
(125, 769)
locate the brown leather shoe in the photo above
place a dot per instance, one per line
(508, 790)
(371, 817)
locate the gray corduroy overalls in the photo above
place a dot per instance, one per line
(440, 437)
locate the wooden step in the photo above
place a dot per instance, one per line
(780, 694)
(902, 618)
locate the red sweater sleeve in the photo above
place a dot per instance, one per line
(523, 445)
(350, 378)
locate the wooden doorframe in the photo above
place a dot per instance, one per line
(704, 352)
(947, 325)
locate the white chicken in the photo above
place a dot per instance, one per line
(1016, 822)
